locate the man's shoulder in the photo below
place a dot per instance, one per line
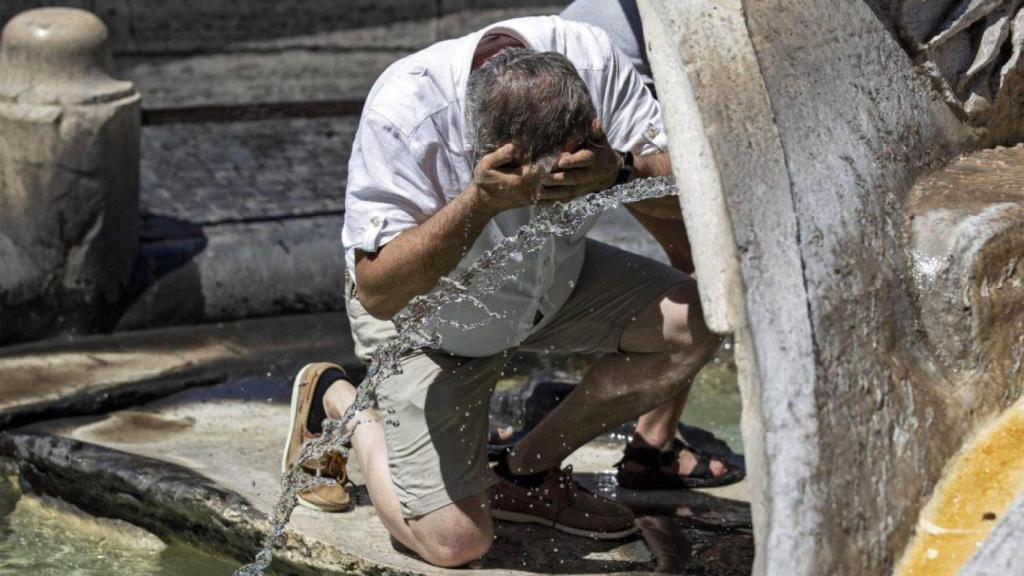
(416, 87)
(586, 46)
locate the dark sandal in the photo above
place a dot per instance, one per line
(652, 478)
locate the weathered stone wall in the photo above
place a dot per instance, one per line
(965, 229)
(857, 124)
(735, 197)
(798, 129)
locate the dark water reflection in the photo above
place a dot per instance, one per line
(688, 532)
(681, 548)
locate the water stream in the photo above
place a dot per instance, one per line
(416, 325)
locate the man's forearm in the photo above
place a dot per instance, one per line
(661, 216)
(412, 263)
(650, 166)
(671, 235)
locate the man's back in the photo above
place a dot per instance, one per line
(413, 154)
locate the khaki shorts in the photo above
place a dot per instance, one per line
(436, 410)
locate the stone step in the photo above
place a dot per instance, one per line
(215, 173)
(244, 218)
(240, 270)
(329, 66)
(295, 76)
(244, 164)
(221, 53)
(95, 374)
(191, 26)
(240, 219)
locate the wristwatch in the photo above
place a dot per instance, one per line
(626, 169)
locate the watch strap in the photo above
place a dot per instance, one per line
(626, 170)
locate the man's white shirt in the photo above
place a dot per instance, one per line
(413, 154)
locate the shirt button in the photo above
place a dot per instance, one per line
(652, 132)
(375, 221)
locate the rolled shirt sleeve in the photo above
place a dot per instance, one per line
(388, 191)
(632, 116)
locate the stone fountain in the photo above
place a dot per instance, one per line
(857, 227)
(874, 282)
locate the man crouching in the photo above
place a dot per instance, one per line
(457, 147)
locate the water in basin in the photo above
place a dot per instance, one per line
(44, 537)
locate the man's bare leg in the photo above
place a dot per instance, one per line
(658, 427)
(450, 536)
(663, 349)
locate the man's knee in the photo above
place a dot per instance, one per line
(684, 326)
(458, 546)
(457, 534)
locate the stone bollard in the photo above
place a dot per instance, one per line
(69, 175)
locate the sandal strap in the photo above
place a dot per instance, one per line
(702, 469)
(654, 458)
(333, 465)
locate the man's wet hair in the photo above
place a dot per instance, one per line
(536, 100)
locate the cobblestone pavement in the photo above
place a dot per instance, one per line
(255, 77)
(253, 170)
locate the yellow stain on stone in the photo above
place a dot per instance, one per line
(978, 487)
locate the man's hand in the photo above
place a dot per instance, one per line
(581, 172)
(503, 184)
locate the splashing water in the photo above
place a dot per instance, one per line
(416, 325)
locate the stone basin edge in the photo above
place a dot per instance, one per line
(168, 500)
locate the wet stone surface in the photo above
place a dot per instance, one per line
(704, 532)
